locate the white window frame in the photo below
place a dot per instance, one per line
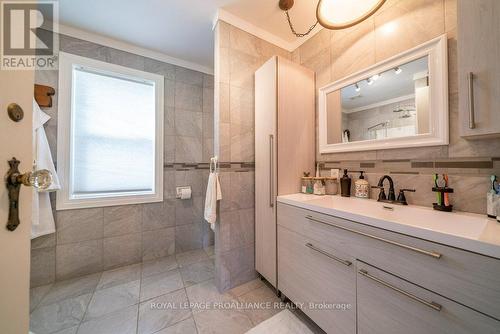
(64, 199)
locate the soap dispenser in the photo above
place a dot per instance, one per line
(345, 185)
(361, 187)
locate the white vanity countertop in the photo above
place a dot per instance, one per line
(472, 232)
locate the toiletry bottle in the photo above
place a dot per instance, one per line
(361, 187)
(345, 185)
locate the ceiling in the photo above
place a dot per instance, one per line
(265, 15)
(180, 30)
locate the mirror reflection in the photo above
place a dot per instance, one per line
(391, 104)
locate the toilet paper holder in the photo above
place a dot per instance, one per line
(180, 190)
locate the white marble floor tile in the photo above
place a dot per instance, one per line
(266, 297)
(112, 299)
(119, 276)
(206, 296)
(71, 288)
(123, 321)
(71, 330)
(222, 322)
(151, 298)
(210, 250)
(59, 315)
(157, 266)
(197, 272)
(187, 258)
(307, 321)
(246, 287)
(37, 294)
(184, 327)
(163, 311)
(283, 322)
(160, 284)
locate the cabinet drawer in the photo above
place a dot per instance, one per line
(465, 277)
(311, 272)
(387, 304)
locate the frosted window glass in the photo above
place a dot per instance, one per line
(113, 134)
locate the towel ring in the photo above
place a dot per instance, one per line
(214, 164)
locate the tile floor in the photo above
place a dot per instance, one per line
(147, 298)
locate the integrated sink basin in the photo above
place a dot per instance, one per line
(422, 217)
(468, 231)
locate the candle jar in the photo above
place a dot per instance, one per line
(307, 185)
(319, 185)
(331, 186)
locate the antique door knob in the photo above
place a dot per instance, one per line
(40, 179)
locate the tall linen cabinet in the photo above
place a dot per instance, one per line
(284, 148)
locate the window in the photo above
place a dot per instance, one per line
(110, 134)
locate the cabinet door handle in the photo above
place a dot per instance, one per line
(418, 250)
(431, 304)
(331, 256)
(470, 83)
(271, 171)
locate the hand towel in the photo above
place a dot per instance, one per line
(42, 217)
(213, 195)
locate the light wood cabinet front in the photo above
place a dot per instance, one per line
(320, 278)
(284, 147)
(478, 44)
(465, 277)
(390, 305)
(393, 281)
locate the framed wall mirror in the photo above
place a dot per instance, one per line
(399, 102)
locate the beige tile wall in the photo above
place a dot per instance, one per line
(238, 55)
(397, 26)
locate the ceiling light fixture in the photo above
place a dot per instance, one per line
(398, 70)
(376, 77)
(356, 87)
(336, 14)
(369, 81)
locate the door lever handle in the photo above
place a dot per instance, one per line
(40, 179)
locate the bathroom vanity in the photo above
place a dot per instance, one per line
(360, 266)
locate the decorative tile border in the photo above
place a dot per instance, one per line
(223, 166)
(481, 166)
(464, 164)
(396, 166)
(366, 165)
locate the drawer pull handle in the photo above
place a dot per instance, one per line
(418, 250)
(345, 262)
(431, 304)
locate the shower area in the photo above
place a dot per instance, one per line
(388, 121)
(110, 258)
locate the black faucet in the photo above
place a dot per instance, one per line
(381, 196)
(391, 197)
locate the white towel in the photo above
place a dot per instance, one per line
(42, 217)
(214, 194)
